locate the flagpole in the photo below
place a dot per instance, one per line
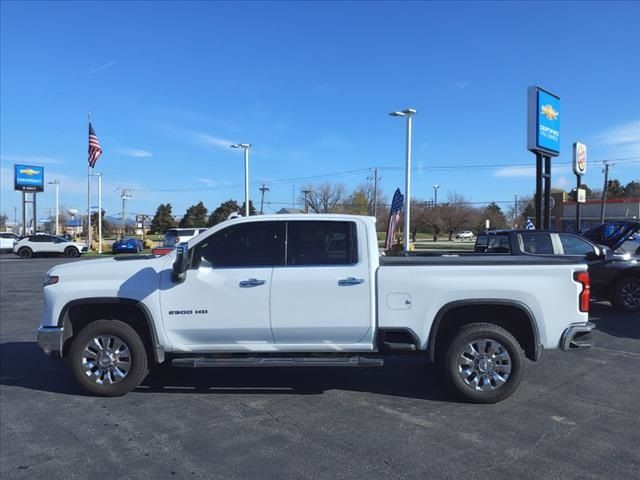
(89, 198)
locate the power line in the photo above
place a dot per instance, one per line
(359, 171)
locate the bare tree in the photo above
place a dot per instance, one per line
(455, 214)
(324, 198)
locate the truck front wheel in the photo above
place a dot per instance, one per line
(108, 358)
(484, 363)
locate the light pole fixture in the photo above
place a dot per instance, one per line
(57, 184)
(408, 114)
(435, 194)
(245, 147)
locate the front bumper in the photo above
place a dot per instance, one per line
(577, 336)
(51, 340)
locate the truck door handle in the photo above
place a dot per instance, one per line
(252, 282)
(346, 282)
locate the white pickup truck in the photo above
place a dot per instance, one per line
(310, 290)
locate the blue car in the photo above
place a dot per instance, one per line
(127, 245)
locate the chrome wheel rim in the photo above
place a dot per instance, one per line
(630, 294)
(106, 360)
(484, 365)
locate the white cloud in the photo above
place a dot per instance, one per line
(462, 85)
(31, 159)
(561, 182)
(515, 172)
(134, 152)
(211, 141)
(97, 69)
(620, 134)
(213, 183)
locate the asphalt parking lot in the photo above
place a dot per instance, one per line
(575, 415)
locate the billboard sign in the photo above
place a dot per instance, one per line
(579, 158)
(28, 178)
(582, 195)
(543, 122)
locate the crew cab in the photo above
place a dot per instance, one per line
(310, 290)
(614, 275)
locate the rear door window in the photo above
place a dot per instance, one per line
(321, 243)
(536, 243)
(493, 244)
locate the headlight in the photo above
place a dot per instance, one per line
(50, 280)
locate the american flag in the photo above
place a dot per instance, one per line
(94, 147)
(529, 225)
(394, 217)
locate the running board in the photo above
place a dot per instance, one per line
(202, 362)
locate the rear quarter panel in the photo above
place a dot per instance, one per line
(549, 292)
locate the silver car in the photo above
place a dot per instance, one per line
(48, 244)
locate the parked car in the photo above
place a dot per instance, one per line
(621, 237)
(466, 235)
(613, 278)
(127, 245)
(311, 290)
(7, 241)
(174, 236)
(44, 243)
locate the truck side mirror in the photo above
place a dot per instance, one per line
(181, 263)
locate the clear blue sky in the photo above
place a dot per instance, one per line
(170, 85)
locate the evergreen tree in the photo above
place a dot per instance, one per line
(163, 219)
(225, 209)
(195, 216)
(252, 210)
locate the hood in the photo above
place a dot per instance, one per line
(110, 268)
(612, 234)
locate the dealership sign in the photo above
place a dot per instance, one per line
(543, 122)
(29, 178)
(579, 158)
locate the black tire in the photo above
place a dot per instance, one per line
(626, 295)
(481, 368)
(25, 252)
(71, 252)
(135, 351)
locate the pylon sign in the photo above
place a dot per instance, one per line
(543, 122)
(579, 158)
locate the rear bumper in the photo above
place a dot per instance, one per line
(50, 340)
(577, 337)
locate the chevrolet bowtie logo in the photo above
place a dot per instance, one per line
(549, 112)
(29, 171)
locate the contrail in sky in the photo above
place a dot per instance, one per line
(97, 69)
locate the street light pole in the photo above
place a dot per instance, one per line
(408, 114)
(125, 196)
(57, 184)
(245, 147)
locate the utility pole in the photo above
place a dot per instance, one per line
(293, 196)
(263, 189)
(306, 204)
(604, 189)
(125, 196)
(375, 192)
(515, 211)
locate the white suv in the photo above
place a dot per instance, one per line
(7, 241)
(39, 243)
(174, 236)
(466, 235)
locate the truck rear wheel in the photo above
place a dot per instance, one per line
(108, 358)
(484, 363)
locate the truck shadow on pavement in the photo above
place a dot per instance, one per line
(22, 364)
(613, 323)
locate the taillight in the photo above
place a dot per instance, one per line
(585, 294)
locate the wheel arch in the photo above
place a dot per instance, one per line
(135, 313)
(462, 312)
